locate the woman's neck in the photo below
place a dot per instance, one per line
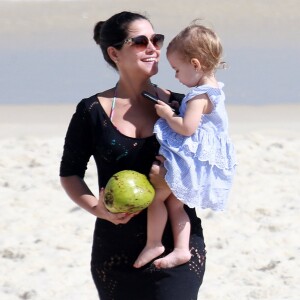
(132, 90)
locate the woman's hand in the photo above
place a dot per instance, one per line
(79, 192)
(175, 105)
(116, 218)
(157, 173)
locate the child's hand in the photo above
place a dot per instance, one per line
(163, 109)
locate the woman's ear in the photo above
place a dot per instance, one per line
(112, 52)
(196, 64)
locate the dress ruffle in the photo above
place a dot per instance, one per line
(204, 145)
(200, 167)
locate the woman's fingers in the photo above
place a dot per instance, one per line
(115, 218)
(121, 218)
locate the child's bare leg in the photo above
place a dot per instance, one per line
(181, 227)
(156, 222)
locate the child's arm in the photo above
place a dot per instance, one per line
(192, 117)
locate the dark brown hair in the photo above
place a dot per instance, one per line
(113, 31)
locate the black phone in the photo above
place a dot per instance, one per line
(150, 97)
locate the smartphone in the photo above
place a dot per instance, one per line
(150, 97)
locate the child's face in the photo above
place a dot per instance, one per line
(185, 71)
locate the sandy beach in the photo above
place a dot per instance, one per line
(48, 56)
(45, 242)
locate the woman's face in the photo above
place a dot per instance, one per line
(140, 58)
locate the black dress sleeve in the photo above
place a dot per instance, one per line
(178, 98)
(78, 143)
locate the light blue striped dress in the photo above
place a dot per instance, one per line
(200, 168)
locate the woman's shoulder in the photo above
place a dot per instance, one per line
(96, 98)
(86, 108)
(88, 103)
(95, 102)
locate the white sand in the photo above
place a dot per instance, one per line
(45, 242)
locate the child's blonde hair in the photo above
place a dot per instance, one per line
(198, 41)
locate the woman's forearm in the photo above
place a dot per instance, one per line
(79, 192)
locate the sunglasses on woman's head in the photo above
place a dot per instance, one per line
(141, 41)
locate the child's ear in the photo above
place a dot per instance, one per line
(196, 64)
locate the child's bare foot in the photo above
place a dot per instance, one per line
(148, 254)
(175, 258)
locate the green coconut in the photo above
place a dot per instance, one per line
(128, 191)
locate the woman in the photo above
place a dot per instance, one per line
(116, 128)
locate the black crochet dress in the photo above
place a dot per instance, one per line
(116, 247)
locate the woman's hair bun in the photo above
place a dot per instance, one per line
(97, 31)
